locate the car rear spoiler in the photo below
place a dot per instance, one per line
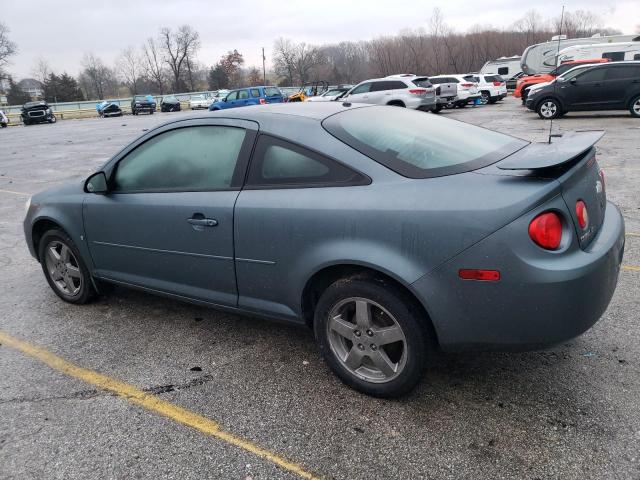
(563, 149)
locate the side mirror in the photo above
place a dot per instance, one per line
(96, 183)
(573, 81)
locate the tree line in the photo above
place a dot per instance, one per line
(168, 62)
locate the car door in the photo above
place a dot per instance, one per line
(231, 100)
(617, 80)
(243, 98)
(360, 94)
(584, 91)
(167, 222)
(291, 204)
(380, 92)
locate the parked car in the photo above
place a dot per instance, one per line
(506, 67)
(606, 86)
(542, 57)
(170, 103)
(245, 97)
(4, 121)
(197, 102)
(143, 103)
(492, 88)
(108, 109)
(37, 112)
(219, 95)
(334, 93)
(467, 92)
(525, 83)
(512, 81)
(410, 91)
(374, 226)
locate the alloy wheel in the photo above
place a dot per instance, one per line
(548, 109)
(367, 340)
(63, 268)
(636, 107)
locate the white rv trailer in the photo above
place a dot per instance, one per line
(541, 58)
(616, 52)
(506, 67)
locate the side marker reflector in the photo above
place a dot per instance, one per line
(482, 275)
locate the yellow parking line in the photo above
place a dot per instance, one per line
(152, 403)
(15, 193)
(631, 267)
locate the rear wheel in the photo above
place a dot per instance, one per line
(485, 97)
(64, 269)
(371, 337)
(437, 108)
(548, 109)
(634, 107)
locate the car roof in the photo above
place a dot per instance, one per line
(311, 110)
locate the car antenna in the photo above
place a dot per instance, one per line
(555, 83)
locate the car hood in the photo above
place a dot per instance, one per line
(70, 188)
(42, 106)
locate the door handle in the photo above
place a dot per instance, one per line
(202, 222)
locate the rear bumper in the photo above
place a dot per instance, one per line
(421, 103)
(542, 298)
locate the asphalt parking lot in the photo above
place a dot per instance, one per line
(572, 412)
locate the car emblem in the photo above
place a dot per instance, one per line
(598, 187)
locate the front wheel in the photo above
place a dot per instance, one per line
(634, 107)
(371, 337)
(64, 269)
(52, 119)
(548, 109)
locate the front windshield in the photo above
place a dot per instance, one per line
(197, 97)
(572, 73)
(139, 97)
(332, 93)
(170, 99)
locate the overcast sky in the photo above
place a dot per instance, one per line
(63, 30)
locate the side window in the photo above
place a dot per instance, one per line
(593, 75)
(280, 163)
(184, 159)
(620, 73)
(614, 56)
(255, 93)
(503, 71)
(396, 85)
(364, 88)
(232, 96)
(243, 95)
(380, 86)
(636, 56)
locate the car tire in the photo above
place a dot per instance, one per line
(64, 268)
(462, 104)
(634, 107)
(52, 119)
(493, 100)
(549, 109)
(485, 97)
(436, 109)
(381, 370)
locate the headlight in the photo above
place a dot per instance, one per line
(48, 110)
(27, 206)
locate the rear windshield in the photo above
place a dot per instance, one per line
(418, 145)
(471, 78)
(271, 92)
(493, 78)
(422, 82)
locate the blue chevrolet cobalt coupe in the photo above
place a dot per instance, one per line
(389, 232)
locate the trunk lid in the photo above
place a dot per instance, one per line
(570, 159)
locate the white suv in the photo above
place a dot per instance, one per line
(492, 87)
(468, 91)
(409, 91)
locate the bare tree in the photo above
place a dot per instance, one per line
(254, 77)
(284, 58)
(7, 47)
(97, 79)
(129, 65)
(176, 47)
(41, 70)
(153, 66)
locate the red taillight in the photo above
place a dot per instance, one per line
(418, 91)
(546, 230)
(466, 85)
(262, 101)
(582, 214)
(497, 84)
(476, 274)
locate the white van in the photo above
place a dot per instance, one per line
(541, 58)
(506, 67)
(616, 52)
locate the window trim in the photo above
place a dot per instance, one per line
(361, 178)
(237, 178)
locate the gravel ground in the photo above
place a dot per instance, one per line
(572, 412)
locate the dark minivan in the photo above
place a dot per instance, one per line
(606, 86)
